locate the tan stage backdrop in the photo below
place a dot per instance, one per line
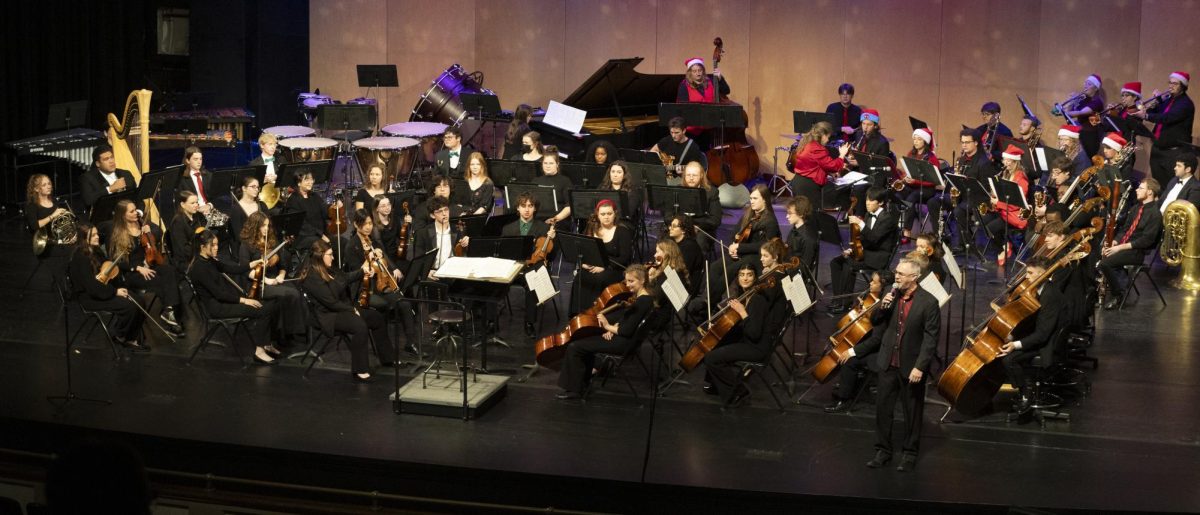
(934, 60)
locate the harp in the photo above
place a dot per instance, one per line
(129, 137)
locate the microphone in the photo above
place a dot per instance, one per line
(895, 286)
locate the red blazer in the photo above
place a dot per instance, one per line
(813, 161)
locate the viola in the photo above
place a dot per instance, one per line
(153, 256)
(551, 349)
(856, 247)
(744, 234)
(384, 282)
(541, 250)
(258, 273)
(851, 331)
(459, 249)
(402, 245)
(364, 292)
(108, 271)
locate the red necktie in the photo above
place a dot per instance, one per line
(200, 187)
(845, 117)
(1158, 129)
(1136, 219)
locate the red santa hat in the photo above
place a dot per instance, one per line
(925, 134)
(869, 114)
(1181, 77)
(1013, 152)
(1114, 141)
(1094, 80)
(695, 60)
(1133, 88)
(1069, 131)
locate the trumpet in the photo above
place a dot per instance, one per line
(983, 208)
(898, 185)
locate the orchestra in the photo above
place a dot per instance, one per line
(346, 269)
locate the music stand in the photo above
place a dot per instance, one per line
(1009, 192)
(644, 174)
(155, 183)
(878, 168)
(633, 155)
(802, 121)
(240, 172)
(1028, 163)
(922, 170)
(460, 192)
(320, 170)
(917, 124)
(583, 202)
(504, 171)
(287, 224)
(973, 191)
(472, 224)
(583, 175)
(495, 224)
(548, 201)
(482, 105)
(59, 116)
(103, 209)
(579, 249)
(671, 200)
(346, 117)
(377, 76)
(418, 269)
(516, 248)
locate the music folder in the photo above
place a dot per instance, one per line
(971, 191)
(1008, 192)
(922, 170)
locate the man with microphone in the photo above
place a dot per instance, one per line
(905, 336)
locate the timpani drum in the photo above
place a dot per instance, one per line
(307, 149)
(429, 134)
(441, 102)
(396, 155)
(290, 131)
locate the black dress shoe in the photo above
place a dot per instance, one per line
(739, 396)
(710, 389)
(134, 346)
(881, 458)
(841, 406)
(907, 463)
(412, 349)
(565, 395)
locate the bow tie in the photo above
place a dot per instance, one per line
(269, 159)
(453, 153)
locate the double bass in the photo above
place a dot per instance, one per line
(733, 160)
(976, 374)
(723, 321)
(851, 330)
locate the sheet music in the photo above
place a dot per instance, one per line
(797, 294)
(539, 282)
(479, 268)
(932, 285)
(674, 289)
(565, 117)
(850, 178)
(952, 265)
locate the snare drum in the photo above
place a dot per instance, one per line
(308, 149)
(440, 103)
(310, 101)
(429, 135)
(396, 155)
(290, 131)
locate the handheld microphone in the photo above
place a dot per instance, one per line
(895, 286)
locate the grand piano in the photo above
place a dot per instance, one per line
(621, 105)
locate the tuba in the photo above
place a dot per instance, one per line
(1180, 246)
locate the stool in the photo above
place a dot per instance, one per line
(448, 331)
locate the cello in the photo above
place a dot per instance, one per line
(551, 349)
(976, 374)
(726, 319)
(851, 330)
(734, 160)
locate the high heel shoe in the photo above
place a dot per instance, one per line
(364, 380)
(259, 360)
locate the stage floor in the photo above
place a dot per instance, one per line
(1131, 444)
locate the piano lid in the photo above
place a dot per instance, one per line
(636, 93)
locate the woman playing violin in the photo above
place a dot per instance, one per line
(362, 246)
(762, 316)
(95, 294)
(128, 249)
(257, 235)
(618, 338)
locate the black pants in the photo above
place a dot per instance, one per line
(1015, 363)
(259, 324)
(581, 358)
(293, 314)
(402, 308)
(916, 196)
(805, 187)
(843, 274)
(997, 230)
(892, 388)
(127, 318)
(360, 328)
(165, 284)
(1114, 273)
(1162, 164)
(848, 375)
(720, 369)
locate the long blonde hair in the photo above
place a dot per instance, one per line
(818, 131)
(672, 256)
(31, 193)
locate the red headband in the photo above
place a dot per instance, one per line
(605, 202)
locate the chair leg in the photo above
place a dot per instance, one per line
(203, 342)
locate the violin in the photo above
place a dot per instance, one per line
(460, 250)
(744, 234)
(337, 220)
(384, 282)
(108, 271)
(259, 273)
(541, 250)
(364, 291)
(856, 247)
(402, 246)
(153, 256)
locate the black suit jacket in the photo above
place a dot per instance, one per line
(279, 160)
(94, 186)
(538, 228)
(1176, 123)
(1050, 317)
(1146, 233)
(442, 162)
(1190, 191)
(918, 342)
(426, 238)
(331, 297)
(185, 184)
(880, 240)
(764, 229)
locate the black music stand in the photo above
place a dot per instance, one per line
(398, 198)
(321, 172)
(1027, 158)
(102, 210)
(581, 250)
(1041, 166)
(973, 193)
(644, 174)
(377, 76)
(802, 121)
(484, 106)
(633, 155)
(1010, 193)
(239, 172)
(917, 124)
(460, 192)
(495, 224)
(503, 171)
(548, 201)
(154, 184)
(60, 115)
(670, 200)
(583, 175)
(583, 202)
(346, 118)
(877, 168)
(287, 224)
(472, 224)
(924, 171)
(516, 248)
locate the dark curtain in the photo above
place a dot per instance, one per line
(60, 51)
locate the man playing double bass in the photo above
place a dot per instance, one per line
(1019, 353)
(905, 338)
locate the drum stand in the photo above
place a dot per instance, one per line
(777, 185)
